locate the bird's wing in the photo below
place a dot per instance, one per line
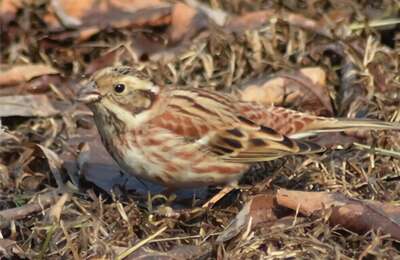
(248, 142)
(212, 121)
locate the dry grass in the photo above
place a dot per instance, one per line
(93, 223)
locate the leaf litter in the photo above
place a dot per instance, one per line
(63, 196)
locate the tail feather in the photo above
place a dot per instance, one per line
(327, 125)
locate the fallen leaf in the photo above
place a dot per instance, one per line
(66, 20)
(356, 215)
(185, 23)
(57, 208)
(90, 17)
(219, 16)
(22, 73)
(55, 164)
(305, 89)
(249, 21)
(95, 13)
(7, 138)
(105, 60)
(26, 106)
(260, 209)
(8, 10)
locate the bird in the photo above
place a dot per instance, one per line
(190, 137)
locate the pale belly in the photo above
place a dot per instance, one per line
(172, 170)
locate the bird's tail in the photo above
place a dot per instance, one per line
(326, 125)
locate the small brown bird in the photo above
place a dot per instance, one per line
(192, 137)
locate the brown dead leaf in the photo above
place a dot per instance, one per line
(356, 215)
(89, 17)
(254, 20)
(105, 60)
(98, 13)
(27, 106)
(186, 22)
(57, 208)
(218, 16)
(7, 138)
(260, 209)
(8, 9)
(249, 21)
(22, 73)
(66, 20)
(55, 164)
(305, 89)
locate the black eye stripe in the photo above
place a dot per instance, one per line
(119, 88)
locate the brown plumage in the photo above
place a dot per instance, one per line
(188, 137)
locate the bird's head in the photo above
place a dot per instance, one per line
(120, 91)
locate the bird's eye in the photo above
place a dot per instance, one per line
(119, 88)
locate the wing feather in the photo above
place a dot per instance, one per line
(213, 121)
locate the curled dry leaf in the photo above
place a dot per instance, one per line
(27, 106)
(8, 10)
(260, 209)
(105, 60)
(249, 21)
(95, 13)
(89, 17)
(185, 23)
(254, 20)
(356, 215)
(218, 16)
(7, 138)
(55, 164)
(305, 89)
(22, 73)
(56, 209)
(66, 20)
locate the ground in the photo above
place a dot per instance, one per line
(61, 194)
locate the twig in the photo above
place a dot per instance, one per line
(140, 244)
(43, 201)
(217, 197)
(378, 150)
(375, 23)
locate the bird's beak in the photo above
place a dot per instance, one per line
(89, 93)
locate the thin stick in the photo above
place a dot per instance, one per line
(378, 150)
(140, 244)
(44, 201)
(183, 238)
(375, 23)
(217, 197)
